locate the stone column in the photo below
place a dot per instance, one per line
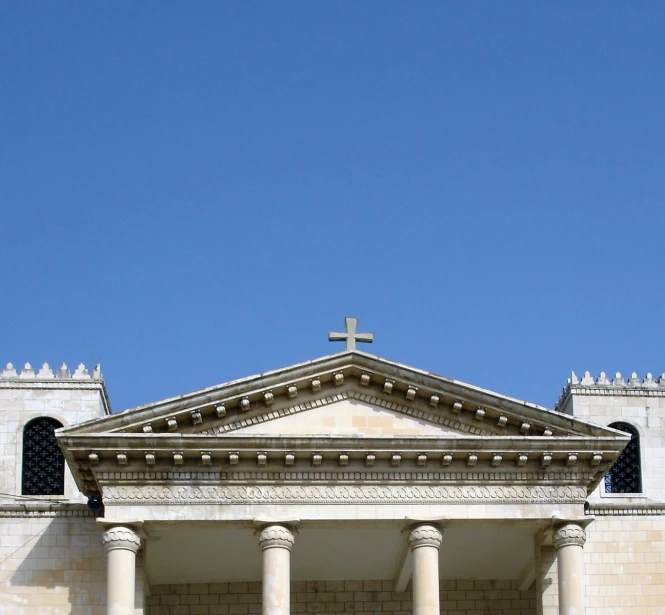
(424, 541)
(120, 544)
(276, 542)
(568, 540)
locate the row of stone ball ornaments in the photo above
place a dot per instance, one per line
(46, 373)
(395, 459)
(618, 381)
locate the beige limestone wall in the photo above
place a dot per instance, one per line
(54, 566)
(624, 568)
(341, 597)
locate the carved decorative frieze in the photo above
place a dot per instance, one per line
(568, 534)
(341, 494)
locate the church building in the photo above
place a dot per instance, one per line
(345, 485)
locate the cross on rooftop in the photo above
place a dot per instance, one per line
(351, 337)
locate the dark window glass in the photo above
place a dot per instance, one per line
(43, 461)
(626, 473)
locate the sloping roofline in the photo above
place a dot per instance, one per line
(403, 376)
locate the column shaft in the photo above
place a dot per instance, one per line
(276, 542)
(425, 541)
(568, 541)
(121, 545)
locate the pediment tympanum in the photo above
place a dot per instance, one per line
(348, 411)
(350, 417)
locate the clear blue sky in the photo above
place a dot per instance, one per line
(196, 192)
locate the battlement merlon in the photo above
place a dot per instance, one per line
(618, 386)
(62, 378)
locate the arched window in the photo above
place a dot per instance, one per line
(43, 461)
(625, 475)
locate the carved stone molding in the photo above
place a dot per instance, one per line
(568, 534)
(276, 536)
(425, 536)
(435, 418)
(214, 476)
(342, 494)
(121, 537)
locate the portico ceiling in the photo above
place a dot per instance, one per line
(228, 553)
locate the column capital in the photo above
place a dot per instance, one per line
(568, 533)
(276, 536)
(121, 537)
(425, 534)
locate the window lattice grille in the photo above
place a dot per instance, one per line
(43, 461)
(626, 473)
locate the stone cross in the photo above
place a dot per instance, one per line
(351, 337)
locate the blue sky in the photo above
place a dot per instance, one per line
(196, 192)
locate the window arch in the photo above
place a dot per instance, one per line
(43, 461)
(625, 476)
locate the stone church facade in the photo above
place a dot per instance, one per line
(347, 484)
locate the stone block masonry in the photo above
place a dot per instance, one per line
(459, 597)
(54, 565)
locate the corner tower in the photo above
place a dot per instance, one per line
(32, 405)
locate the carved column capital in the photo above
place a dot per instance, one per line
(121, 537)
(568, 534)
(425, 535)
(276, 536)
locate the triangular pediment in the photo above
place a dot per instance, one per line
(439, 406)
(349, 417)
(350, 410)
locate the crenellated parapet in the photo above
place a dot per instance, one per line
(47, 373)
(69, 396)
(618, 385)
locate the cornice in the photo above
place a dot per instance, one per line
(120, 457)
(39, 509)
(356, 374)
(602, 509)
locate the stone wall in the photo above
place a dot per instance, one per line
(54, 566)
(340, 597)
(624, 559)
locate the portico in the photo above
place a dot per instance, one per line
(346, 469)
